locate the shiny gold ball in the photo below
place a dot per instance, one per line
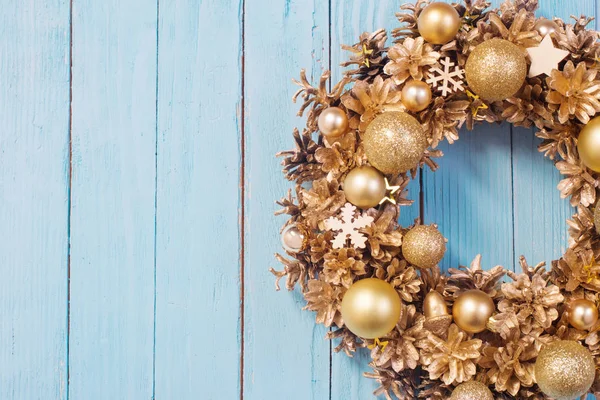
(434, 305)
(394, 142)
(416, 96)
(588, 144)
(565, 370)
(439, 23)
(496, 69)
(472, 390)
(583, 314)
(364, 187)
(333, 122)
(471, 311)
(294, 238)
(371, 308)
(545, 26)
(424, 246)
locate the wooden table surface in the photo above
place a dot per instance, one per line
(137, 189)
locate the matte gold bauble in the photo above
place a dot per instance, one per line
(333, 122)
(545, 27)
(439, 23)
(434, 305)
(496, 69)
(424, 246)
(394, 142)
(416, 96)
(471, 311)
(565, 370)
(364, 187)
(472, 390)
(371, 308)
(588, 144)
(294, 238)
(583, 314)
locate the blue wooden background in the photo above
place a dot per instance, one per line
(137, 187)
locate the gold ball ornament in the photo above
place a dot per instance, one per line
(364, 187)
(565, 370)
(496, 69)
(294, 238)
(333, 122)
(588, 144)
(416, 96)
(439, 23)
(371, 308)
(394, 142)
(424, 246)
(583, 314)
(472, 309)
(545, 27)
(472, 390)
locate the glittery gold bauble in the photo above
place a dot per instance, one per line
(416, 96)
(472, 390)
(333, 122)
(424, 246)
(439, 23)
(471, 311)
(545, 27)
(583, 314)
(364, 187)
(597, 217)
(496, 69)
(371, 308)
(434, 305)
(588, 144)
(394, 142)
(294, 238)
(565, 370)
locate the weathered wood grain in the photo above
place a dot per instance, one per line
(113, 192)
(285, 353)
(34, 165)
(198, 200)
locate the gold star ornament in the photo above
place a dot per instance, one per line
(392, 190)
(545, 57)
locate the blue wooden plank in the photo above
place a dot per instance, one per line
(285, 352)
(34, 165)
(348, 20)
(198, 198)
(113, 197)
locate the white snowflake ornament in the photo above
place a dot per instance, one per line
(447, 81)
(348, 226)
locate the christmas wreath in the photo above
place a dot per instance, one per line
(471, 333)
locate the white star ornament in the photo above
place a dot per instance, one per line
(545, 57)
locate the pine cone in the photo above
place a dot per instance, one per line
(408, 20)
(342, 267)
(384, 237)
(402, 385)
(580, 185)
(325, 300)
(582, 231)
(367, 56)
(443, 118)
(573, 271)
(434, 390)
(557, 140)
(367, 100)
(410, 59)
(510, 366)
(574, 93)
(400, 352)
(340, 157)
(402, 277)
(300, 164)
(530, 298)
(296, 271)
(463, 279)
(581, 43)
(348, 341)
(521, 31)
(322, 201)
(528, 106)
(452, 360)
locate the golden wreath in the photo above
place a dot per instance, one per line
(471, 333)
